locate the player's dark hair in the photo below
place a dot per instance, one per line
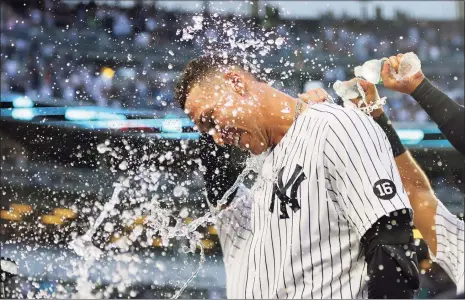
(198, 68)
(195, 71)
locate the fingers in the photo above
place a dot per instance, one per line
(365, 85)
(304, 97)
(394, 62)
(386, 74)
(356, 100)
(311, 97)
(370, 92)
(322, 94)
(371, 95)
(314, 96)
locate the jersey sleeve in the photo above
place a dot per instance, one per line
(450, 244)
(362, 169)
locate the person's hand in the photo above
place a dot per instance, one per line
(405, 85)
(371, 94)
(317, 95)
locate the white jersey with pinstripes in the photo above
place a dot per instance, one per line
(450, 245)
(235, 235)
(317, 197)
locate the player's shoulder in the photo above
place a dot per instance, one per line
(336, 114)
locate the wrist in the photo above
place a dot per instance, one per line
(377, 113)
(381, 118)
(417, 80)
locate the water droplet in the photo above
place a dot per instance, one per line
(102, 148)
(123, 165)
(279, 41)
(108, 227)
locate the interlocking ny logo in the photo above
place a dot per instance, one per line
(280, 190)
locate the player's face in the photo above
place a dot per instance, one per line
(224, 107)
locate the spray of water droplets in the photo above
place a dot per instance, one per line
(236, 40)
(145, 189)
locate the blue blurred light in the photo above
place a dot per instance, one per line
(82, 114)
(22, 102)
(9, 97)
(433, 144)
(109, 116)
(410, 136)
(103, 124)
(178, 135)
(25, 114)
(79, 114)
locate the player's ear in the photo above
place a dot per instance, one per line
(237, 82)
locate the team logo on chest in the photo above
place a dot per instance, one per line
(279, 189)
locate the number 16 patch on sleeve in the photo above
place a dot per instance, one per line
(385, 189)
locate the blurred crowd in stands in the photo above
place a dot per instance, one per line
(32, 63)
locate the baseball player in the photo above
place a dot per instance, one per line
(329, 191)
(442, 231)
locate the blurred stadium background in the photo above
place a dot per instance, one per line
(76, 74)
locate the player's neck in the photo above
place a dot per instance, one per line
(282, 108)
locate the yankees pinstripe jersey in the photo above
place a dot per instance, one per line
(321, 188)
(235, 235)
(450, 245)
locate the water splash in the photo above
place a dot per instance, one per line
(84, 247)
(158, 221)
(194, 274)
(237, 40)
(249, 47)
(253, 164)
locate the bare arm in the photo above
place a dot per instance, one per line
(421, 196)
(441, 230)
